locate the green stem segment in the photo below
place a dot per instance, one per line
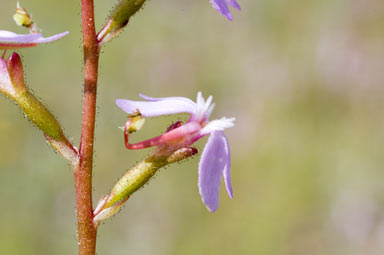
(137, 177)
(40, 116)
(46, 122)
(83, 173)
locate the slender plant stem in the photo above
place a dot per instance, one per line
(83, 174)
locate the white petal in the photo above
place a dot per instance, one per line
(148, 98)
(217, 125)
(156, 108)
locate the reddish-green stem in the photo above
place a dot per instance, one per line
(83, 174)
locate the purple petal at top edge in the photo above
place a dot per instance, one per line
(51, 38)
(212, 164)
(222, 7)
(227, 168)
(156, 108)
(234, 4)
(7, 36)
(148, 98)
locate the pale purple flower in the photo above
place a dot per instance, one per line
(222, 7)
(215, 160)
(10, 40)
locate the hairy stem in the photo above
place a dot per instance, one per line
(83, 173)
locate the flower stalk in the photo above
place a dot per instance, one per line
(172, 146)
(83, 172)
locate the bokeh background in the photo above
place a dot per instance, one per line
(304, 80)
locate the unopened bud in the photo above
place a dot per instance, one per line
(182, 154)
(16, 72)
(12, 84)
(118, 19)
(12, 76)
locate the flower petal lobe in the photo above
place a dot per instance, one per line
(222, 7)
(10, 40)
(234, 4)
(227, 168)
(213, 161)
(156, 108)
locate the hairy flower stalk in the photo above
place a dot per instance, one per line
(12, 85)
(172, 146)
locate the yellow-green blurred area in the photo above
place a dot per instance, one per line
(304, 80)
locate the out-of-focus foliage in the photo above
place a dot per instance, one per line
(304, 80)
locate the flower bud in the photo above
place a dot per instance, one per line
(12, 76)
(118, 19)
(12, 84)
(16, 73)
(181, 154)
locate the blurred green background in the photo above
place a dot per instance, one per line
(304, 80)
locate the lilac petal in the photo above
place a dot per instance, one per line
(227, 169)
(148, 98)
(51, 38)
(10, 40)
(156, 108)
(7, 36)
(213, 162)
(222, 7)
(234, 4)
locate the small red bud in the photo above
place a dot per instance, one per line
(16, 73)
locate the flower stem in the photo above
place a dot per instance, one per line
(83, 173)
